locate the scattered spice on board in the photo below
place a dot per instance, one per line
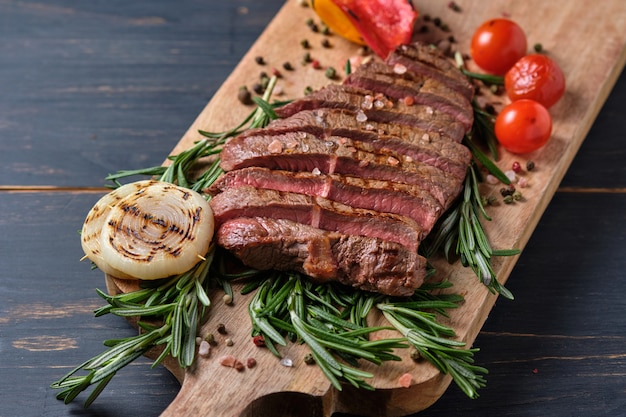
(405, 380)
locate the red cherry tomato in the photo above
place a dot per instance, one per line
(497, 44)
(523, 126)
(536, 77)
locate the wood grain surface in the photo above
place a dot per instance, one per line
(592, 65)
(95, 87)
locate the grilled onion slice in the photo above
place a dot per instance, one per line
(158, 231)
(95, 221)
(150, 230)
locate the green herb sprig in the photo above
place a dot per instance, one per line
(330, 319)
(177, 303)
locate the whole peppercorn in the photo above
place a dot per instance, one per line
(258, 340)
(326, 43)
(530, 165)
(309, 359)
(516, 167)
(221, 328)
(258, 88)
(330, 73)
(305, 43)
(506, 191)
(244, 96)
(259, 60)
(287, 66)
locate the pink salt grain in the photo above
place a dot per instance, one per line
(204, 349)
(228, 361)
(275, 146)
(405, 380)
(361, 116)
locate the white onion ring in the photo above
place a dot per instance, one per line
(95, 221)
(154, 231)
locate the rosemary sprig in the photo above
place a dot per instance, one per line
(330, 319)
(177, 303)
(460, 233)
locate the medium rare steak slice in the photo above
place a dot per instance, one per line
(299, 151)
(402, 84)
(341, 122)
(336, 154)
(433, 149)
(375, 107)
(429, 62)
(318, 212)
(383, 196)
(361, 262)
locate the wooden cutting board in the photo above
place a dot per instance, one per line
(588, 43)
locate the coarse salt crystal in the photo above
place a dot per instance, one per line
(510, 174)
(286, 362)
(522, 182)
(405, 380)
(369, 127)
(316, 171)
(426, 137)
(491, 179)
(429, 110)
(399, 69)
(393, 161)
(228, 360)
(361, 116)
(379, 104)
(275, 146)
(204, 349)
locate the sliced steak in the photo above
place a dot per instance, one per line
(450, 157)
(318, 212)
(402, 84)
(383, 196)
(432, 149)
(300, 151)
(341, 122)
(375, 107)
(429, 62)
(361, 262)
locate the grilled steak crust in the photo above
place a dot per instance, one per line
(362, 262)
(349, 180)
(429, 148)
(341, 122)
(383, 196)
(319, 212)
(400, 83)
(429, 62)
(376, 107)
(301, 151)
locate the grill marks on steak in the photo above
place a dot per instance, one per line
(381, 196)
(319, 212)
(361, 262)
(352, 177)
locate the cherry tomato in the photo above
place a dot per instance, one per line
(497, 44)
(536, 77)
(523, 126)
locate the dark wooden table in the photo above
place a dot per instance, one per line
(91, 87)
